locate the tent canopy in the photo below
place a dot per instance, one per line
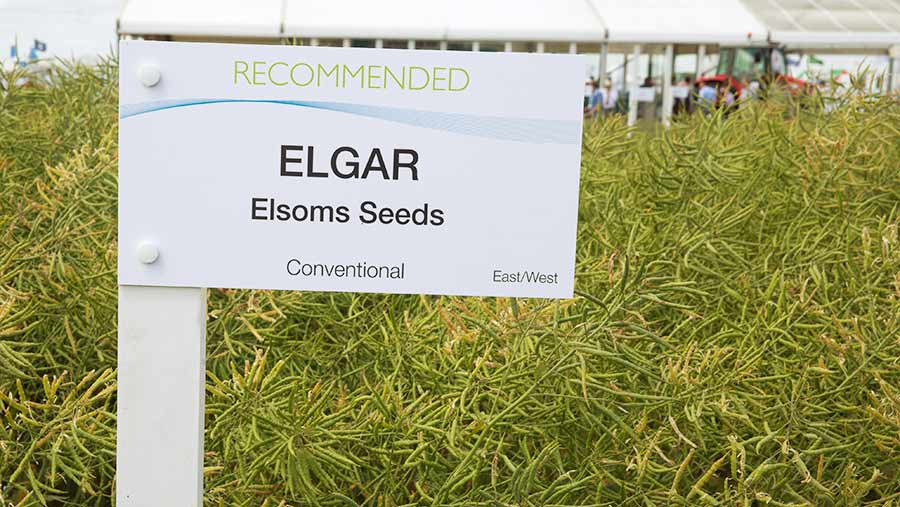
(830, 23)
(680, 21)
(797, 23)
(209, 18)
(354, 19)
(475, 20)
(524, 20)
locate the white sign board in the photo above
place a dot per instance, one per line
(335, 169)
(645, 93)
(681, 92)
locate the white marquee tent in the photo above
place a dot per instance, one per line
(679, 22)
(850, 24)
(204, 18)
(590, 26)
(353, 19)
(831, 24)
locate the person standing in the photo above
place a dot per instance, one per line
(747, 92)
(707, 97)
(647, 107)
(588, 91)
(595, 102)
(683, 103)
(726, 96)
(610, 98)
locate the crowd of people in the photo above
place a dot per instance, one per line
(701, 96)
(601, 101)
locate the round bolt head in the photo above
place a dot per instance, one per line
(149, 75)
(147, 253)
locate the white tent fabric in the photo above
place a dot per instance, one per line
(365, 19)
(524, 20)
(211, 18)
(680, 21)
(471, 20)
(664, 21)
(830, 23)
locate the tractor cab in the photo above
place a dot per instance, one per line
(742, 66)
(752, 64)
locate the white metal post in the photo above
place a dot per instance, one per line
(346, 43)
(604, 58)
(411, 44)
(314, 42)
(893, 68)
(573, 48)
(668, 67)
(443, 45)
(633, 89)
(476, 46)
(507, 47)
(701, 57)
(539, 48)
(162, 373)
(890, 74)
(379, 43)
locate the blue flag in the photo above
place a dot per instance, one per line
(32, 55)
(40, 46)
(13, 51)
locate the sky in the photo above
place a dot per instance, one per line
(81, 28)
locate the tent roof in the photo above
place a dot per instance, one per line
(483, 20)
(680, 21)
(830, 23)
(524, 20)
(221, 18)
(364, 19)
(798, 23)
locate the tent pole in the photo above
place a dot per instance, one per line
(668, 67)
(632, 90)
(893, 57)
(701, 55)
(890, 74)
(604, 56)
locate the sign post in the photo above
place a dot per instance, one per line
(303, 168)
(161, 380)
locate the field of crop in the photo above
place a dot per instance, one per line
(735, 338)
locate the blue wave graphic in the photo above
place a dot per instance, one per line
(525, 130)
